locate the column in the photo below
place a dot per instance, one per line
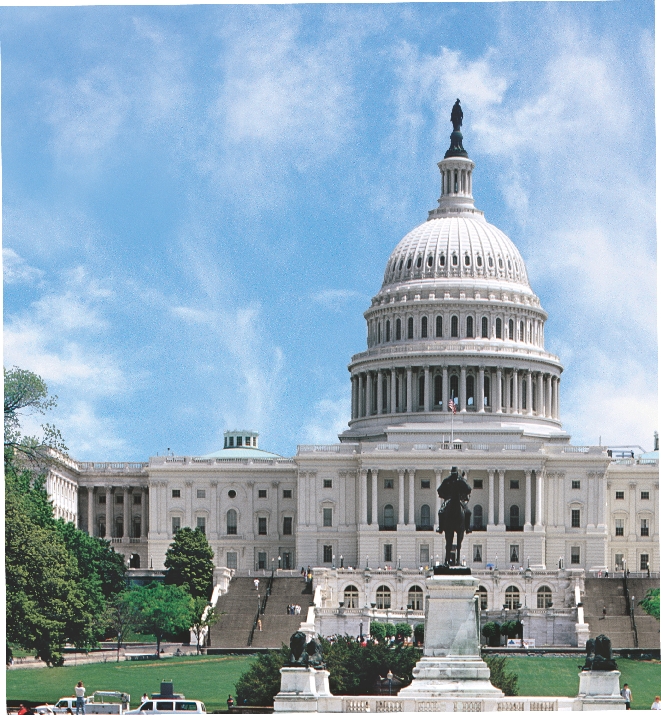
(213, 517)
(540, 394)
(354, 392)
(539, 516)
(375, 503)
(393, 391)
(501, 497)
(379, 392)
(446, 388)
(361, 382)
(528, 522)
(188, 515)
(556, 398)
(480, 389)
(490, 515)
(499, 391)
(400, 509)
(127, 513)
(411, 496)
(108, 512)
(386, 394)
(549, 398)
(409, 389)
(462, 389)
(601, 507)
(363, 495)
(144, 492)
(90, 511)
(528, 392)
(515, 391)
(506, 385)
(368, 394)
(438, 473)
(427, 396)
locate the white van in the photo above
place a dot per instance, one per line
(190, 707)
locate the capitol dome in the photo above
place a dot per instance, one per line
(455, 335)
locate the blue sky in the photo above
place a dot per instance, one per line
(199, 202)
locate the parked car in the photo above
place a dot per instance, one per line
(191, 707)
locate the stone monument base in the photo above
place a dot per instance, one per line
(461, 676)
(600, 690)
(300, 689)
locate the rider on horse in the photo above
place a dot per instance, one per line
(455, 487)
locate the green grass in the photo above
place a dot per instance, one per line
(559, 676)
(207, 678)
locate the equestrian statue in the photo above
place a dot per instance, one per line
(454, 516)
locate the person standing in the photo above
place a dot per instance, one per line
(259, 624)
(230, 702)
(256, 582)
(80, 697)
(144, 698)
(656, 705)
(626, 694)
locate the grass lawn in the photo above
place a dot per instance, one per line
(207, 678)
(545, 675)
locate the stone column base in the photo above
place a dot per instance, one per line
(464, 676)
(300, 689)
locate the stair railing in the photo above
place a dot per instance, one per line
(254, 625)
(630, 611)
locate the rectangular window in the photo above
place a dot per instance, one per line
(261, 526)
(425, 484)
(619, 527)
(247, 441)
(261, 559)
(644, 562)
(644, 495)
(137, 498)
(328, 554)
(424, 553)
(137, 528)
(176, 493)
(119, 498)
(575, 483)
(514, 553)
(261, 493)
(619, 495)
(478, 484)
(328, 483)
(575, 555)
(239, 441)
(286, 493)
(202, 524)
(575, 517)
(619, 561)
(514, 483)
(477, 553)
(102, 498)
(176, 524)
(201, 493)
(231, 559)
(231, 444)
(387, 552)
(328, 517)
(388, 483)
(287, 526)
(644, 527)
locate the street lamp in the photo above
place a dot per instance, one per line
(390, 676)
(333, 560)
(361, 631)
(367, 563)
(279, 562)
(341, 561)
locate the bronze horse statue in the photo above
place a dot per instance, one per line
(454, 516)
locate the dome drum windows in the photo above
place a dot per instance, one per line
(423, 327)
(439, 326)
(485, 327)
(499, 328)
(398, 329)
(454, 327)
(441, 260)
(387, 331)
(410, 329)
(409, 263)
(430, 260)
(510, 330)
(455, 259)
(418, 263)
(469, 327)
(470, 392)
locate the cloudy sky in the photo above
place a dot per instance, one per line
(200, 201)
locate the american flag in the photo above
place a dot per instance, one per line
(452, 406)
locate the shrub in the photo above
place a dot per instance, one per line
(491, 631)
(650, 604)
(419, 633)
(261, 682)
(390, 630)
(378, 630)
(500, 677)
(403, 630)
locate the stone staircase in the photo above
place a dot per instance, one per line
(277, 626)
(239, 605)
(647, 627)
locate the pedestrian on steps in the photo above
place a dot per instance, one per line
(259, 624)
(256, 582)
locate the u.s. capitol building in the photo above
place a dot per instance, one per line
(455, 318)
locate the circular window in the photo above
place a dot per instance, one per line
(231, 493)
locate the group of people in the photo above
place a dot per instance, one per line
(293, 609)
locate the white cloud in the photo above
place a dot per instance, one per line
(329, 418)
(15, 269)
(335, 298)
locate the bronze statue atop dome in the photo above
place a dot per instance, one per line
(457, 116)
(456, 138)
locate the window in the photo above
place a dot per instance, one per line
(477, 517)
(328, 517)
(137, 498)
(423, 327)
(514, 553)
(467, 260)
(388, 516)
(286, 493)
(176, 524)
(328, 553)
(469, 327)
(619, 527)
(430, 260)
(351, 597)
(478, 484)
(514, 516)
(454, 387)
(454, 327)
(544, 599)
(176, 493)
(482, 592)
(202, 524)
(165, 705)
(231, 442)
(409, 262)
(575, 484)
(410, 329)
(388, 483)
(479, 261)
(137, 527)
(239, 441)
(119, 527)
(575, 555)
(231, 494)
(425, 515)
(512, 597)
(441, 260)
(521, 332)
(644, 527)
(619, 562)
(201, 493)
(514, 483)
(477, 553)
(398, 329)
(387, 331)
(425, 484)
(102, 498)
(644, 562)
(487, 391)
(485, 328)
(328, 483)
(186, 706)
(490, 262)
(424, 553)
(499, 328)
(575, 517)
(247, 441)
(644, 495)
(102, 527)
(455, 260)
(439, 326)
(415, 598)
(261, 493)
(387, 552)
(261, 525)
(287, 526)
(510, 330)
(619, 495)
(261, 560)
(438, 390)
(119, 498)
(231, 522)
(383, 597)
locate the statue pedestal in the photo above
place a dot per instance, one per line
(600, 690)
(300, 689)
(451, 662)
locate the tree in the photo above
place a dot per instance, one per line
(189, 563)
(163, 610)
(500, 677)
(203, 616)
(419, 633)
(121, 615)
(261, 682)
(650, 604)
(378, 630)
(403, 631)
(390, 629)
(491, 631)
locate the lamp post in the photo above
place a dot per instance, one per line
(367, 563)
(333, 560)
(361, 631)
(279, 562)
(341, 561)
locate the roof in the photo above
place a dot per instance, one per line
(241, 453)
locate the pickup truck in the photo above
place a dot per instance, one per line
(95, 704)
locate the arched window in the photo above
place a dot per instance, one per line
(425, 515)
(351, 597)
(469, 326)
(134, 563)
(544, 599)
(512, 597)
(410, 329)
(378, 332)
(439, 326)
(467, 260)
(454, 327)
(382, 597)
(231, 521)
(487, 391)
(415, 598)
(514, 516)
(470, 390)
(482, 592)
(388, 516)
(455, 259)
(408, 263)
(454, 387)
(477, 517)
(438, 390)
(421, 391)
(510, 334)
(398, 329)
(441, 260)
(387, 331)
(490, 262)
(499, 328)
(430, 260)
(401, 263)
(521, 332)
(418, 263)
(423, 327)
(485, 327)
(479, 261)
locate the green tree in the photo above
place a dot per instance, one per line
(500, 677)
(378, 630)
(419, 633)
(203, 615)
(189, 563)
(491, 631)
(121, 616)
(403, 630)
(163, 611)
(390, 629)
(261, 682)
(650, 604)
